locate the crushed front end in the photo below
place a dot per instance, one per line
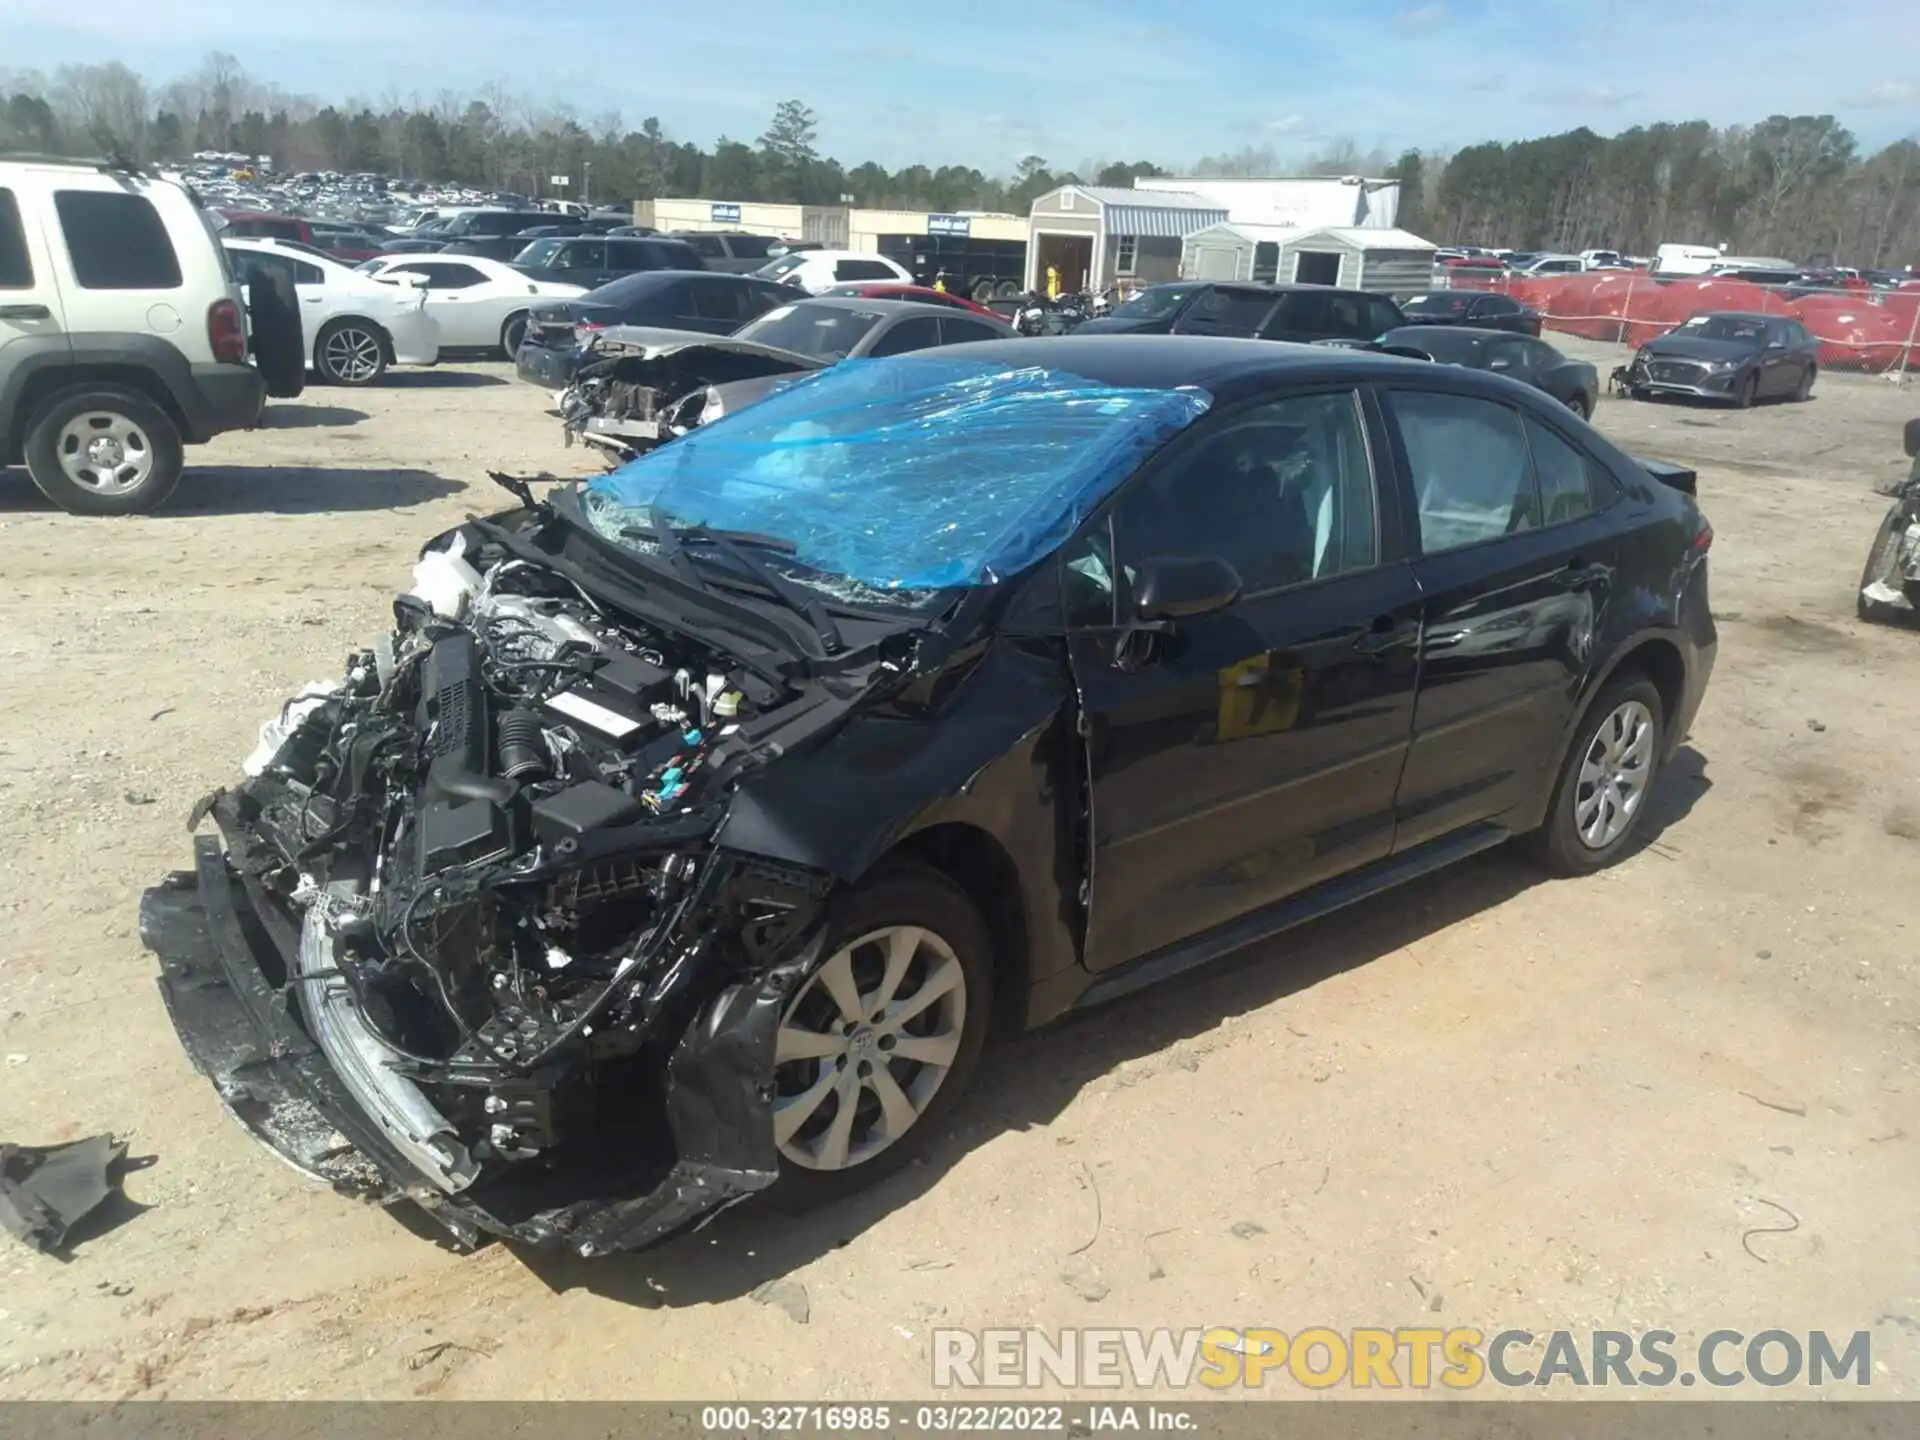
(464, 939)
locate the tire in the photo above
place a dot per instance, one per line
(1580, 405)
(513, 333)
(279, 350)
(1878, 556)
(1744, 393)
(1804, 391)
(1006, 290)
(350, 352)
(138, 433)
(955, 949)
(1559, 844)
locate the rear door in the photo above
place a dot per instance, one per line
(458, 298)
(1516, 561)
(1248, 754)
(32, 322)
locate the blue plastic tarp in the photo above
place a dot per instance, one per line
(918, 472)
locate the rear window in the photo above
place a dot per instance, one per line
(750, 247)
(116, 241)
(16, 266)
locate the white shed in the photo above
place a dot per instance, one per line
(1389, 262)
(1234, 252)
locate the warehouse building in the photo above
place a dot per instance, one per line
(824, 225)
(1095, 235)
(1298, 203)
(1388, 261)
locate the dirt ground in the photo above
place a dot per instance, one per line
(1488, 1100)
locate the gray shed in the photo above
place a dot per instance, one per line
(1389, 262)
(1235, 252)
(1094, 235)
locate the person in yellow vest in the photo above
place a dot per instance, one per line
(1053, 282)
(940, 282)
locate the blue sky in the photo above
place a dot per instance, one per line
(1070, 80)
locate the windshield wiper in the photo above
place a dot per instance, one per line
(738, 546)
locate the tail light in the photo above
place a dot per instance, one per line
(1703, 538)
(226, 336)
(583, 328)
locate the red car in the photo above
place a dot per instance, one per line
(921, 293)
(261, 225)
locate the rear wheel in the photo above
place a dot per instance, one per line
(1879, 562)
(350, 352)
(1581, 405)
(1604, 781)
(1006, 290)
(513, 333)
(880, 1041)
(104, 452)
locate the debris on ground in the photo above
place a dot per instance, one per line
(1246, 1229)
(45, 1192)
(789, 1296)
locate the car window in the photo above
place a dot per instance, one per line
(263, 262)
(717, 300)
(1565, 476)
(922, 332)
(16, 266)
(1471, 469)
(1382, 316)
(1541, 357)
(750, 247)
(672, 255)
(583, 255)
(1509, 357)
(1225, 311)
(305, 274)
(116, 241)
(1346, 317)
(444, 275)
(958, 330)
(1495, 305)
(765, 296)
(708, 247)
(1300, 312)
(1282, 491)
(827, 332)
(863, 270)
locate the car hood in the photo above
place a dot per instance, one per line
(1687, 347)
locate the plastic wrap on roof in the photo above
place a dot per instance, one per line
(917, 472)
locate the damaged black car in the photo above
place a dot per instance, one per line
(694, 823)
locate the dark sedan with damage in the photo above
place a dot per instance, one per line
(694, 824)
(1574, 383)
(1728, 356)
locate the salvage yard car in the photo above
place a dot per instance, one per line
(1725, 355)
(694, 823)
(707, 304)
(1574, 383)
(354, 327)
(479, 304)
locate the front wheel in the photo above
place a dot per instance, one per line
(1879, 563)
(1745, 391)
(881, 1040)
(1580, 405)
(1601, 793)
(104, 452)
(1804, 391)
(350, 352)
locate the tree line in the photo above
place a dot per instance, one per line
(1794, 186)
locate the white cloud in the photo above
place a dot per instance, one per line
(1287, 124)
(1584, 97)
(1423, 19)
(1892, 92)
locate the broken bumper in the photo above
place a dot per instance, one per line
(216, 946)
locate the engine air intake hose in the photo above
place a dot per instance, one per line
(521, 747)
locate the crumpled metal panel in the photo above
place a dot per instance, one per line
(913, 473)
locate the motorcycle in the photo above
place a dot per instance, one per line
(1890, 585)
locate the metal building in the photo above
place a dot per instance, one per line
(1094, 235)
(1299, 203)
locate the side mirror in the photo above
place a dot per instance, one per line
(1172, 587)
(1911, 438)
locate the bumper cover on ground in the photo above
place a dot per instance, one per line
(240, 1033)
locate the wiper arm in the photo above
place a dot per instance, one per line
(784, 590)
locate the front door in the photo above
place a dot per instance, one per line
(1518, 568)
(32, 322)
(1242, 756)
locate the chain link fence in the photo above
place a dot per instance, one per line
(1862, 330)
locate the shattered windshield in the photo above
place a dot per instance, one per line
(825, 332)
(906, 476)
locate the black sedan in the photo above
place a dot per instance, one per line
(695, 849)
(700, 301)
(1574, 383)
(1478, 308)
(1727, 355)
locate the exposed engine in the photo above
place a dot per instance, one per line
(488, 832)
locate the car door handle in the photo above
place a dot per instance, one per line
(312, 299)
(1386, 634)
(1577, 574)
(25, 312)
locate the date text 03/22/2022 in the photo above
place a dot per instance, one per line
(960, 1419)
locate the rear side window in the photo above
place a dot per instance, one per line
(955, 330)
(1570, 484)
(673, 255)
(116, 241)
(1382, 316)
(921, 332)
(1225, 312)
(709, 247)
(1300, 312)
(717, 300)
(16, 266)
(750, 247)
(863, 270)
(1472, 472)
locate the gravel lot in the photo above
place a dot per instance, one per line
(1488, 1100)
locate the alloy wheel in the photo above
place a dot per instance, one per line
(865, 1046)
(105, 453)
(352, 355)
(1614, 775)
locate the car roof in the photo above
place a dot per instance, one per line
(1471, 332)
(893, 309)
(1736, 315)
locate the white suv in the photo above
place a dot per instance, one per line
(122, 334)
(817, 270)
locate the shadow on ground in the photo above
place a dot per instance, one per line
(1028, 1080)
(440, 379)
(293, 415)
(303, 490)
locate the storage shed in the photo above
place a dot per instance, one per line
(1389, 262)
(1235, 252)
(1097, 234)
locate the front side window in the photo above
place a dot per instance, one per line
(749, 247)
(1472, 473)
(922, 332)
(1282, 491)
(116, 241)
(1224, 311)
(583, 255)
(825, 332)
